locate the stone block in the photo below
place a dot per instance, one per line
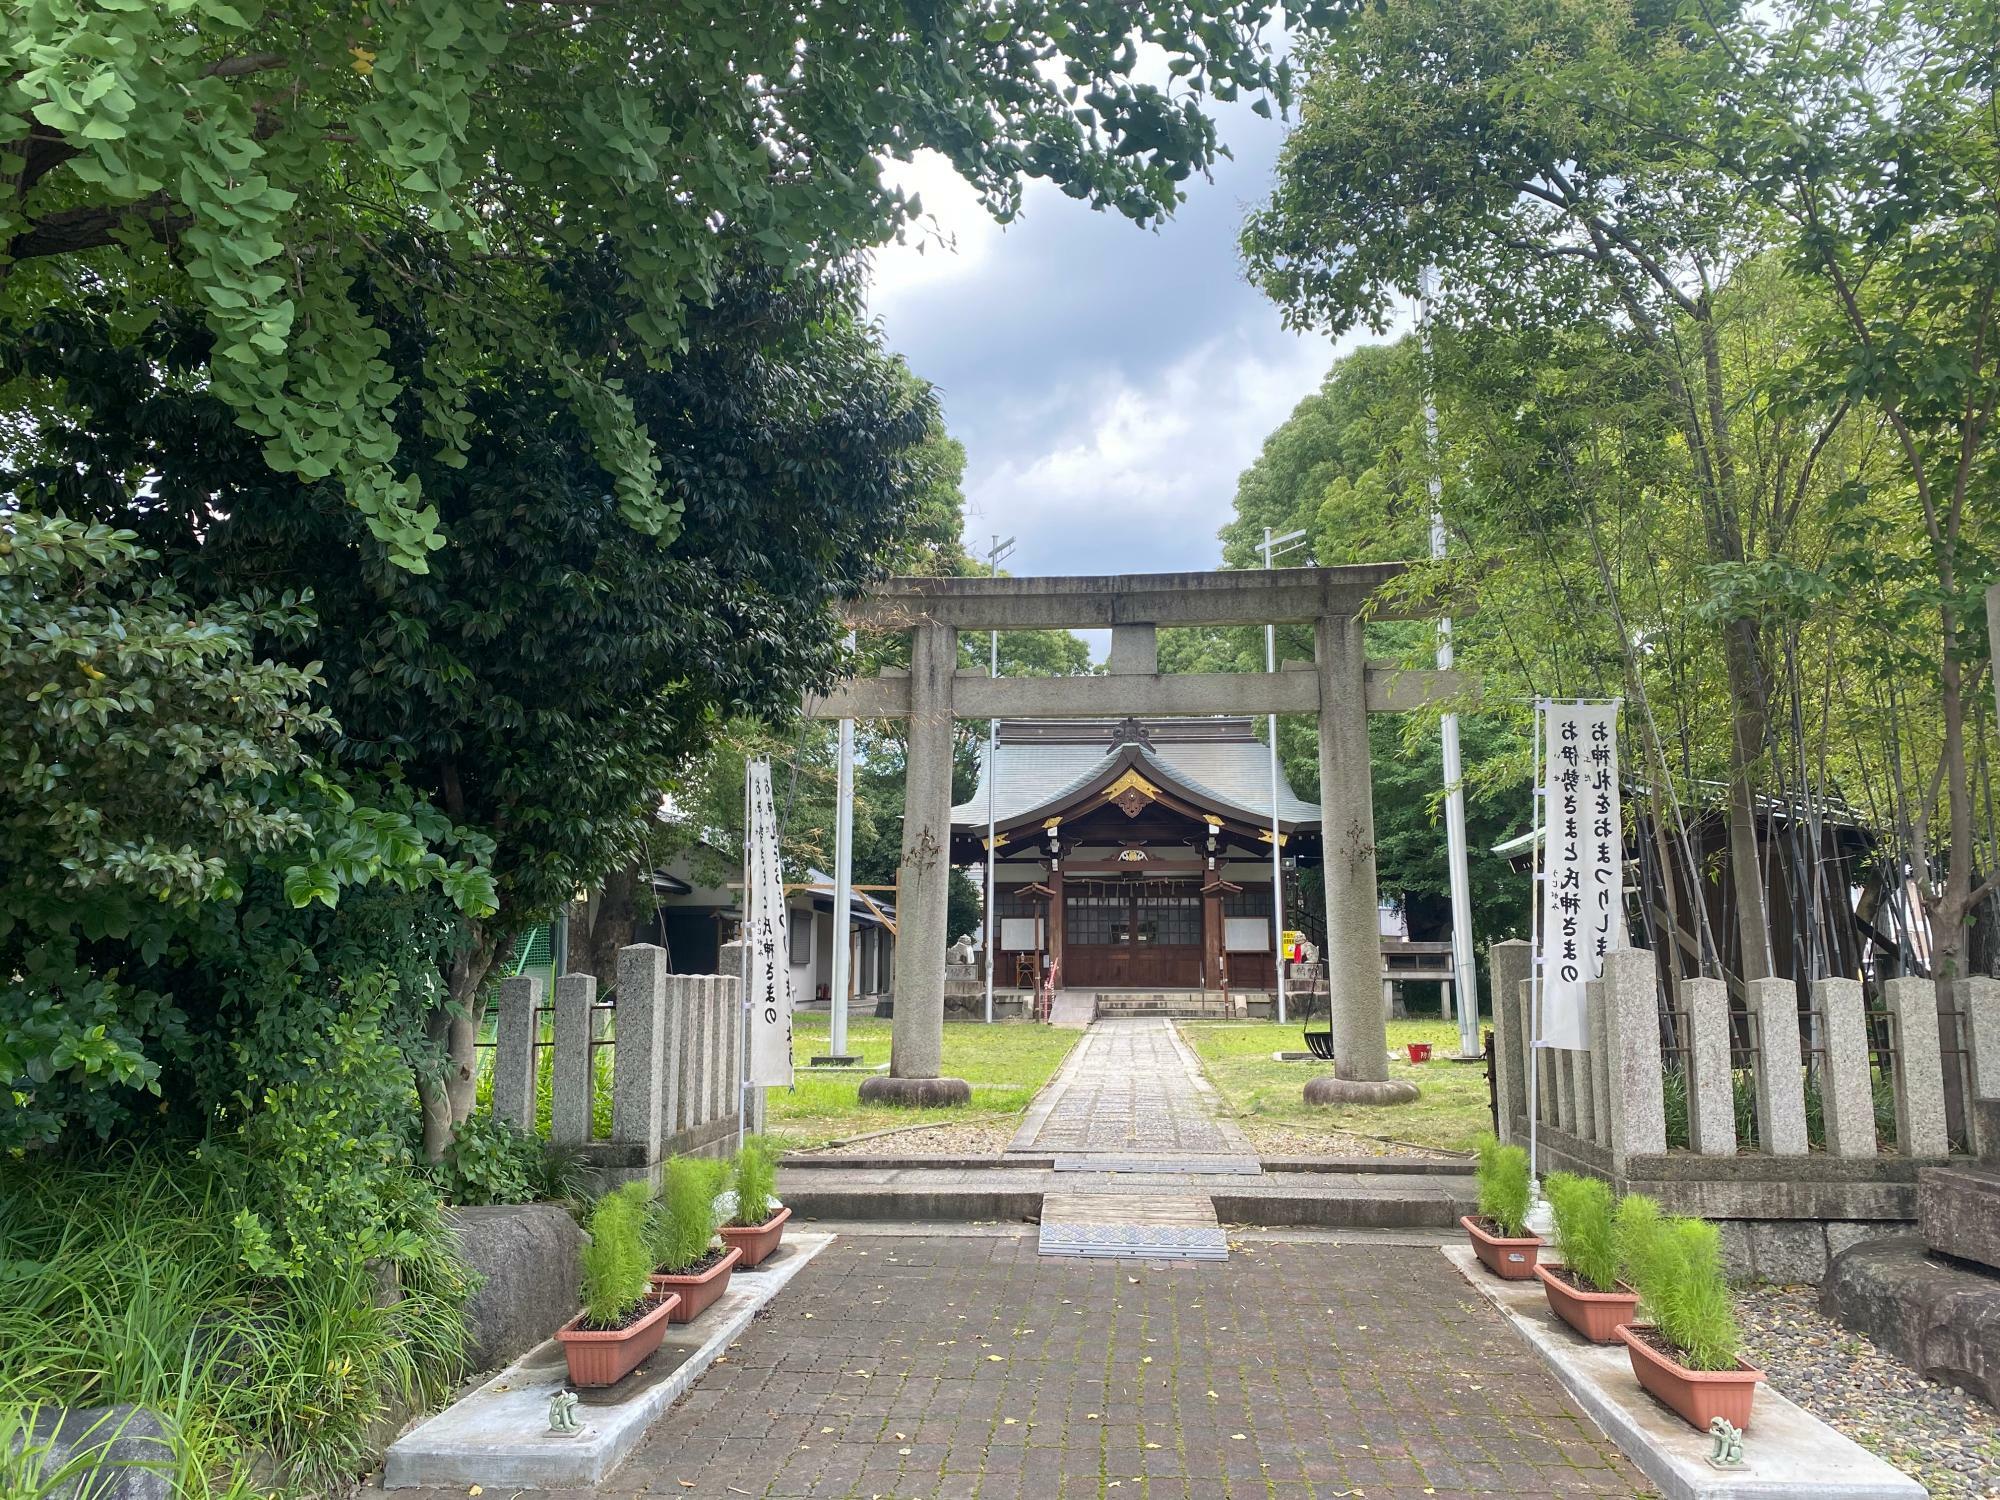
(914, 1093)
(638, 1068)
(1329, 1089)
(514, 1050)
(134, 1460)
(1738, 1264)
(1600, 1061)
(1507, 965)
(1842, 1236)
(1711, 1089)
(1788, 1252)
(570, 1073)
(1920, 1092)
(1938, 1315)
(1847, 1099)
(529, 1259)
(1780, 1079)
(1639, 1111)
(1958, 1211)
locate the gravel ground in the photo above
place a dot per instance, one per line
(1273, 1139)
(979, 1138)
(1948, 1440)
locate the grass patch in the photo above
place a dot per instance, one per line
(1451, 1115)
(1006, 1064)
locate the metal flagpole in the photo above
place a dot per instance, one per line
(1535, 974)
(1273, 545)
(998, 550)
(750, 875)
(1454, 785)
(843, 885)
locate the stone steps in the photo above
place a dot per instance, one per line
(1180, 1004)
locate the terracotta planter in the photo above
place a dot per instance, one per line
(756, 1241)
(1595, 1315)
(607, 1357)
(1699, 1396)
(1510, 1260)
(698, 1292)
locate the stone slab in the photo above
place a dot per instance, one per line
(498, 1434)
(1788, 1454)
(1187, 1166)
(1958, 1210)
(1131, 1226)
(529, 1257)
(1940, 1316)
(134, 1459)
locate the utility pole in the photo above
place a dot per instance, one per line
(994, 553)
(1274, 546)
(1466, 983)
(843, 885)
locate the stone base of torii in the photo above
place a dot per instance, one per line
(1340, 685)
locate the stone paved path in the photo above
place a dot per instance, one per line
(954, 1368)
(1129, 1086)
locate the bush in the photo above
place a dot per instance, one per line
(756, 1181)
(1676, 1266)
(1584, 1234)
(1503, 1186)
(490, 1161)
(124, 1282)
(616, 1266)
(684, 1217)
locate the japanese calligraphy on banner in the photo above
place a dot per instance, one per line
(1583, 863)
(765, 929)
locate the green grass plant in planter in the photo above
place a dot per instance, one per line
(621, 1323)
(1687, 1356)
(685, 1259)
(1499, 1235)
(759, 1224)
(1584, 1290)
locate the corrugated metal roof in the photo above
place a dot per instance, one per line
(1233, 772)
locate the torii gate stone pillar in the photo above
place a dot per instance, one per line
(1340, 686)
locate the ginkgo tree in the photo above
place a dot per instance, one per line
(251, 159)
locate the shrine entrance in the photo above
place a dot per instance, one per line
(1132, 934)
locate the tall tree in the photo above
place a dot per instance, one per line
(303, 175)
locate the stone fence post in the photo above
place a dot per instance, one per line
(572, 1076)
(1711, 1082)
(1599, 1030)
(1507, 972)
(1919, 1079)
(1781, 1094)
(1979, 998)
(1846, 1096)
(1632, 1017)
(514, 1050)
(638, 1068)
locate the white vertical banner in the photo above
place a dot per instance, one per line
(765, 924)
(1583, 864)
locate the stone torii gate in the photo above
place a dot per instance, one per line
(1340, 685)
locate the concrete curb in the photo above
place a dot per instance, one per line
(1789, 1454)
(497, 1435)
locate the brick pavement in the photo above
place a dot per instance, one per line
(960, 1367)
(1129, 1086)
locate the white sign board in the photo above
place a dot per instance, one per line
(1246, 934)
(764, 928)
(1583, 863)
(1020, 934)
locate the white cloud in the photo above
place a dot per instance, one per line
(953, 239)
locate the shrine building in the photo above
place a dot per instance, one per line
(1134, 854)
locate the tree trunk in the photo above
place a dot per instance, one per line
(1746, 873)
(595, 950)
(453, 1028)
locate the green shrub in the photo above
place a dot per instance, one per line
(1584, 1234)
(1504, 1185)
(756, 1180)
(122, 1280)
(616, 1265)
(490, 1161)
(1676, 1266)
(684, 1217)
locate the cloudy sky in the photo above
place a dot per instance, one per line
(1109, 383)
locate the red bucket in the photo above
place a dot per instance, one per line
(1420, 1052)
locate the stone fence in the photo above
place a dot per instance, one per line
(674, 1044)
(1799, 1129)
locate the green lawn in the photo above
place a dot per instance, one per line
(1005, 1063)
(1451, 1114)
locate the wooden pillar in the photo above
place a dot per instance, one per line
(1212, 976)
(1056, 919)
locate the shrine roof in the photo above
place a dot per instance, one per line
(1220, 762)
